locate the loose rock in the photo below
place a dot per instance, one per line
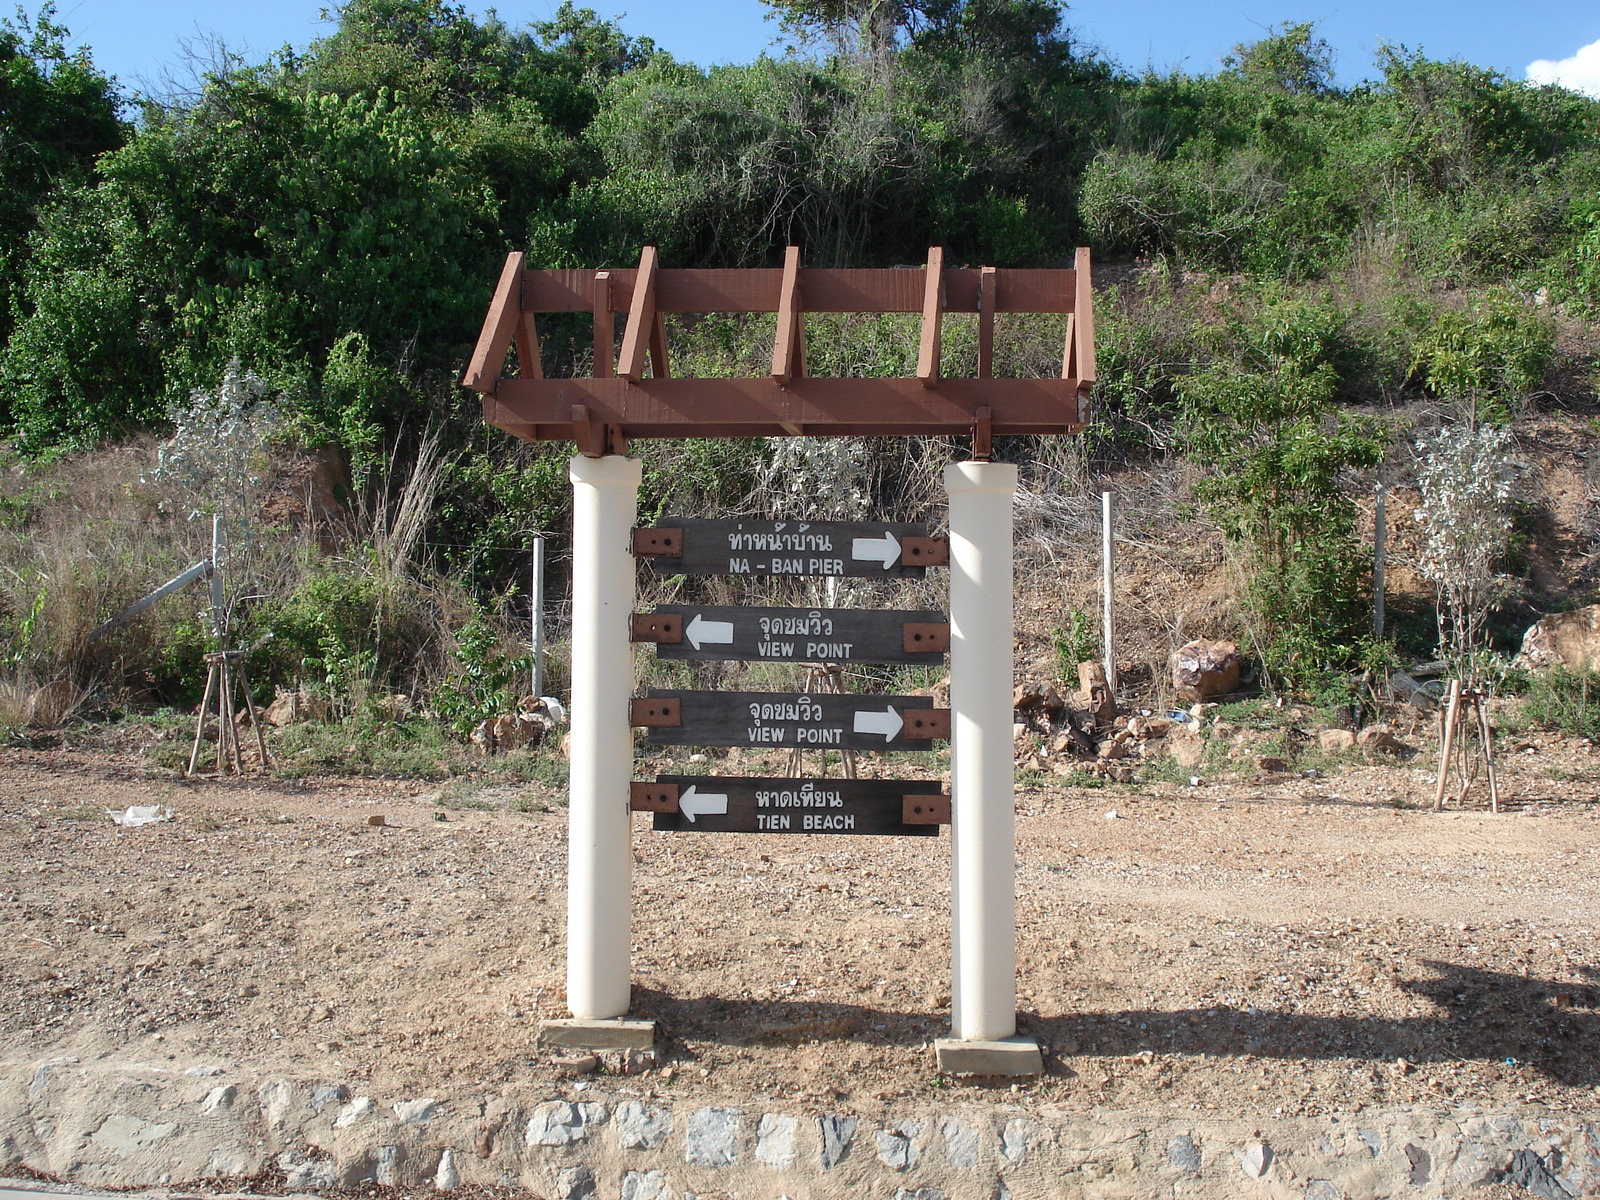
(1205, 669)
(557, 1123)
(1183, 1154)
(1568, 639)
(575, 1183)
(1336, 741)
(960, 1143)
(644, 1185)
(415, 1112)
(353, 1112)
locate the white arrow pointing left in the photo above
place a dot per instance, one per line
(694, 804)
(884, 551)
(887, 722)
(701, 631)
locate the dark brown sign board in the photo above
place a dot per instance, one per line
(730, 804)
(850, 549)
(809, 720)
(799, 635)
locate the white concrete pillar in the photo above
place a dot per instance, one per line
(605, 503)
(983, 890)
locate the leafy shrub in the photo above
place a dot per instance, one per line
(1079, 642)
(1265, 426)
(1492, 353)
(343, 631)
(484, 685)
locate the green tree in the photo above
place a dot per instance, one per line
(1290, 59)
(57, 113)
(1262, 421)
(262, 225)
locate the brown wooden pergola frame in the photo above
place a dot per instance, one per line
(620, 401)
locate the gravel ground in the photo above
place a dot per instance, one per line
(1292, 946)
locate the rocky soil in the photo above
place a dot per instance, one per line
(1287, 945)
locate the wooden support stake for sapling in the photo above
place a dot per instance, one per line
(1465, 713)
(1446, 755)
(200, 725)
(1488, 755)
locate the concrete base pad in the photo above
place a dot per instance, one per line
(1009, 1056)
(618, 1033)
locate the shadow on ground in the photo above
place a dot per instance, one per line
(1486, 1016)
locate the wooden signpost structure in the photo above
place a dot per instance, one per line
(632, 393)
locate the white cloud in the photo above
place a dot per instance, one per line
(1581, 72)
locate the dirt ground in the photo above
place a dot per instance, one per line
(1288, 947)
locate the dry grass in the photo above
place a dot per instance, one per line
(83, 537)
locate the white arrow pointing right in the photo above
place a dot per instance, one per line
(884, 551)
(694, 804)
(887, 722)
(702, 631)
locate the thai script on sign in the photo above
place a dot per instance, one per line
(804, 708)
(811, 624)
(807, 795)
(793, 541)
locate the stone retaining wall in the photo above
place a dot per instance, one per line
(131, 1125)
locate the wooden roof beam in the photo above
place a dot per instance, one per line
(605, 327)
(1083, 312)
(988, 286)
(499, 329)
(788, 339)
(761, 407)
(641, 325)
(932, 312)
(826, 289)
(530, 364)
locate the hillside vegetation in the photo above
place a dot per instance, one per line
(285, 266)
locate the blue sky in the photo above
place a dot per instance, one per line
(137, 39)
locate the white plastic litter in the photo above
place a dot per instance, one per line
(140, 814)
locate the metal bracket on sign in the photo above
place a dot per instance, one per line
(658, 543)
(654, 797)
(918, 637)
(925, 724)
(922, 810)
(925, 551)
(662, 628)
(665, 712)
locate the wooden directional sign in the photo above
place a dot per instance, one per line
(810, 720)
(855, 549)
(825, 635)
(727, 804)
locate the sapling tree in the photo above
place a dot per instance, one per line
(1466, 477)
(217, 456)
